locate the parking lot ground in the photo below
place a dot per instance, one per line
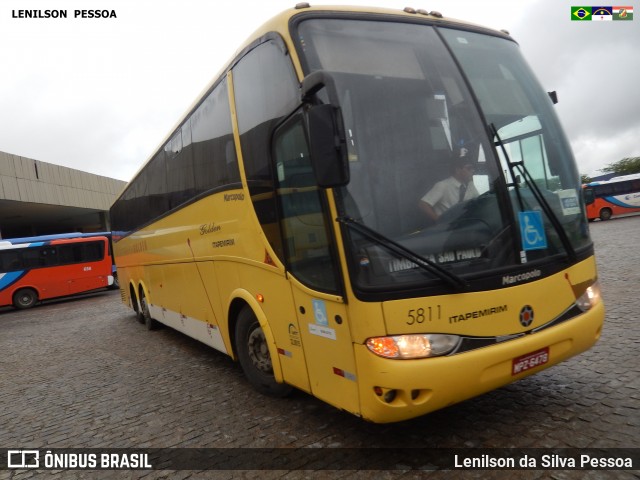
(84, 373)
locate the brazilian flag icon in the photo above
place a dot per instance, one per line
(581, 13)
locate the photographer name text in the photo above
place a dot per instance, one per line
(63, 14)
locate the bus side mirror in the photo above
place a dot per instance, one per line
(327, 146)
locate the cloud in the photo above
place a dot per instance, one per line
(594, 67)
(100, 95)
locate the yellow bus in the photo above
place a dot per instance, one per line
(283, 223)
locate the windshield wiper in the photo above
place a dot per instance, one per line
(451, 279)
(546, 208)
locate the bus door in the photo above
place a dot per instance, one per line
(312, 268)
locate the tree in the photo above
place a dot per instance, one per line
(584, 178)
(626, 166)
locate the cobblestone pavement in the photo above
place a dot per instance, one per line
(84, 373)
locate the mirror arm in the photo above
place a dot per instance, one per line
(314, 82)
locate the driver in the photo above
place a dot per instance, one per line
(446, 193)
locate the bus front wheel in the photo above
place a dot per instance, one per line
(25, 298)
(605, 214)
(253, 355)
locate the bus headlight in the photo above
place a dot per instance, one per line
(413, 346)
(589, 298)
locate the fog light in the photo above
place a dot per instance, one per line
(413, 346)
(390, 396)
(590, 298)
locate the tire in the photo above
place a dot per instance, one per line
(254, 358)
(135, 304)
(605, 214)
(116, 283)
(146, 314)
(25, 298)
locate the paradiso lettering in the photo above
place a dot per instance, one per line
(137, 247)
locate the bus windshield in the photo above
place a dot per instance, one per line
(472, 136)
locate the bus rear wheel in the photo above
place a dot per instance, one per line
(146, 314)
(605, 214)
(253, 355)
(135, 304)
(25, 298)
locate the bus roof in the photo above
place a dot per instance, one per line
(621, 178)
(57, 236)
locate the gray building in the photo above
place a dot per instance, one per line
(38, 198)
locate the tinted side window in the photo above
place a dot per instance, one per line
(304, 223)
(81, 252)
(178, 171)
(266, 90)
(121, 216)
(153, 200)
(199, 157)
(10, 260)
(38, 257)
(214, 152)
(93, 251)
(50, 256)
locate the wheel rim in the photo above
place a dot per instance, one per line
(145, 307)
(259, 351)
(25, 299)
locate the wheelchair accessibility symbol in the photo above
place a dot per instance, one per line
(532, 231)
(320, 313)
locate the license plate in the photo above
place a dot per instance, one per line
(530, 360)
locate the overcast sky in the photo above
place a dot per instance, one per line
(100, 94)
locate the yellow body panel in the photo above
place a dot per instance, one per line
(326, 338)
(443, 381)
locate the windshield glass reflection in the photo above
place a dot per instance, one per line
(424, 172)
